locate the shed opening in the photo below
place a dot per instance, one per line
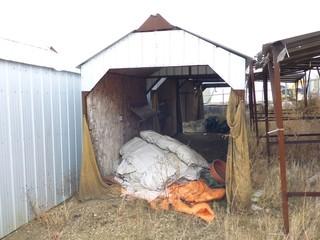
(168, 100)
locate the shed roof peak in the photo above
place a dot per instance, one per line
(155, 23)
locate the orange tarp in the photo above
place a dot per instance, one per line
(190, 198)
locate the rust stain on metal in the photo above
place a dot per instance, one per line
(155, 23)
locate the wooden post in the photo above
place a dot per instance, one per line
(178, 108)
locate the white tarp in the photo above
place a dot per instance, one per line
(153, 161)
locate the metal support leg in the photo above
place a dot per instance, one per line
(266, 112)
(281, 140)
(296, 88)
(255, 117)
(250, 100)
(304, 81)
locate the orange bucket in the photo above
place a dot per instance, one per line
(218, 171)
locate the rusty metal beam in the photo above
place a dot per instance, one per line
(249, 85)
(266, 112)
(303, 194)
(294, 135)
(304, 86)
(288, 118)
(307, 84)
(255, 118)
(276, 89)
(296, 84)
(298, 141)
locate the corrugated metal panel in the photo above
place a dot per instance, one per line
(40, 140)
(15, 51)
(164, 49)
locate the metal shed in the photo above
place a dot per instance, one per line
(287, 60)
(156, 57)
(40, 132)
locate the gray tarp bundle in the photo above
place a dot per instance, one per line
(152, 162)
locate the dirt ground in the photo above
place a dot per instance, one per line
(117, 218)
(114, 218)
(120, 218)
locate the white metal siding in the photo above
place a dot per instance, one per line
(164, 49)
(40, 140)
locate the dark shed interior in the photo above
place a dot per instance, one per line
(126, 101)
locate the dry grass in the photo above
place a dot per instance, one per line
(118, 218)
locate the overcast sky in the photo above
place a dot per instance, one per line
(79, 28)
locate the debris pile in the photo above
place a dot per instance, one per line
(166, 173)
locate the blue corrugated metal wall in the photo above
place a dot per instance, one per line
(40, 140)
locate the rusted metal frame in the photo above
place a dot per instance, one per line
(304, 81)
(296, 90)
(266, 113)
(255, 117)
(301, 56)
(271, 119)
(249, 85)
(284, 111)
(295, 135)
(303, 194)
(255, 108)
(287, 116)
(298, 141)
(307, 85)
(273, 115)
(276, 89)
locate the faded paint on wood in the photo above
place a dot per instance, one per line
(167, 100)
(111, 122)
(191, 101)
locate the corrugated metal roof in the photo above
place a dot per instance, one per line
(298, 54)
(16, 51)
